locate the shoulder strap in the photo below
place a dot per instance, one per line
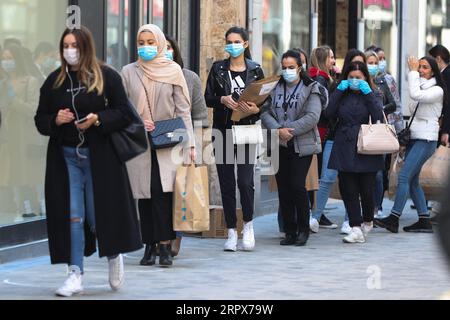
(414, 115)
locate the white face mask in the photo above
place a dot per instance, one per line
(72, 56)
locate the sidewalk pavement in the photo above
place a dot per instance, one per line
(388, 266)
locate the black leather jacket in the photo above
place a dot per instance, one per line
(219, 85)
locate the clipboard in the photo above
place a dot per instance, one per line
(257, 92)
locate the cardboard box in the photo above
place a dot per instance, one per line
(218, 228)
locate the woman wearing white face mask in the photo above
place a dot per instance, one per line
(159, 91)
(88, 194)
(427, 90)
(294, 110)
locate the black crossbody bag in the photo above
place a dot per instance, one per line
(404, 136)
(167, 133)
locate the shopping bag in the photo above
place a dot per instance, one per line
(434, 174)
(396, 165)
(191, 199)
(312, 179)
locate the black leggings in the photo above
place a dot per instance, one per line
(291, 180)
(357, 191)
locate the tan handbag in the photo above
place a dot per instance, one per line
(377, 139)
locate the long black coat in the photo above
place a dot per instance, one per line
(352, 110)
(117, 227)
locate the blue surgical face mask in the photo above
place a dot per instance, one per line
(109, 60)
(354, 84)
(148, 53)
(382, 66)
(373, 69)
(9, 65)
(290, 75)
(235, 49)
(169, 55)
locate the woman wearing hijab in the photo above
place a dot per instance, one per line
(158, 90)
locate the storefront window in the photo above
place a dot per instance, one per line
(438, 23)
(118, 21)
(381, 29)
(286, 26)
(29, 38)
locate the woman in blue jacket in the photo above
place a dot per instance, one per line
(352, 104)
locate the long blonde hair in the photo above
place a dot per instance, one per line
(319, 57)
(89, 72)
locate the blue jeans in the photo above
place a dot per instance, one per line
(81, 201)
(417, 153)
(379, 191)
(327, 179)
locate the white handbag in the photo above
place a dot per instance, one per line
(250, 134)
(377, 139)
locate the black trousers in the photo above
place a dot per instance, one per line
(245, 156)
(291, 180)
(357, 191)
(156, 213)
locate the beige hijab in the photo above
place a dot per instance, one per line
(161, 69)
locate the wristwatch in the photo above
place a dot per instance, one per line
(97, 123)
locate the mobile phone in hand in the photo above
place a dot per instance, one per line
(83, 120)
(235, 96)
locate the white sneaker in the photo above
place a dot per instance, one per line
(72, 286)
(366, 227)
(314, 225)
(355, 236)
(116, 272)
(379, 215)
(231, 244)
(248, 240)
(346, 229)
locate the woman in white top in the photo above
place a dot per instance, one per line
(428, 92)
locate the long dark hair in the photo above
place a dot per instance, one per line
(303, 52)
(438, 76)
(355, 66)
(176, 51)
(244, 34)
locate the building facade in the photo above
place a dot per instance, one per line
(401, 27)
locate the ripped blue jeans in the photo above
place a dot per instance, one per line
(81, 201)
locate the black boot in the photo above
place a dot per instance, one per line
(289, 240)
(302, 238)
(422, 226)
(149, 258)
(390, 223)
(165, 258)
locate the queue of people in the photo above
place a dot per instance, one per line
(96, 201)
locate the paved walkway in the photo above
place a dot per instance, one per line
(388, 266)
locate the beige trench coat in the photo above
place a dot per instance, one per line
(170, 101)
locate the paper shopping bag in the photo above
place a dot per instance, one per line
(191, 199)
(434, 174)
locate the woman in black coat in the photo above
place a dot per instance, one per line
(352, 104)
(87, 190)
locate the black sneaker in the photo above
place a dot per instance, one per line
(289, 240)
(302, 238)
(422, 226)
(390, 223)
(325, 223)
